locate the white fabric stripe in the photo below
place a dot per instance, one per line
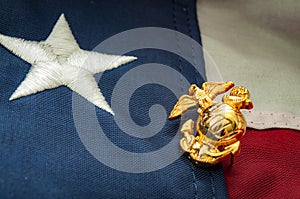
(256, 44)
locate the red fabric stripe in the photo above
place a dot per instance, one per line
(267, 167)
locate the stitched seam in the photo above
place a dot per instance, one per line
(178, 44)
(194, 181)
(290, 120)
(2, 138)
(180, 70)
(185, 10)
(188, 20)
(212, 183)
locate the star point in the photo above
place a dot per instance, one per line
(59, 61)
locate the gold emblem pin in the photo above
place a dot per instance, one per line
(220, 125)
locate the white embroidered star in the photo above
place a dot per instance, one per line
(59, 61)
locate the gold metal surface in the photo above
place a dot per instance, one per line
(220, 125)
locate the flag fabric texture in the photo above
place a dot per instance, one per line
(41, 152)
(267, 167)
(256, 44)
